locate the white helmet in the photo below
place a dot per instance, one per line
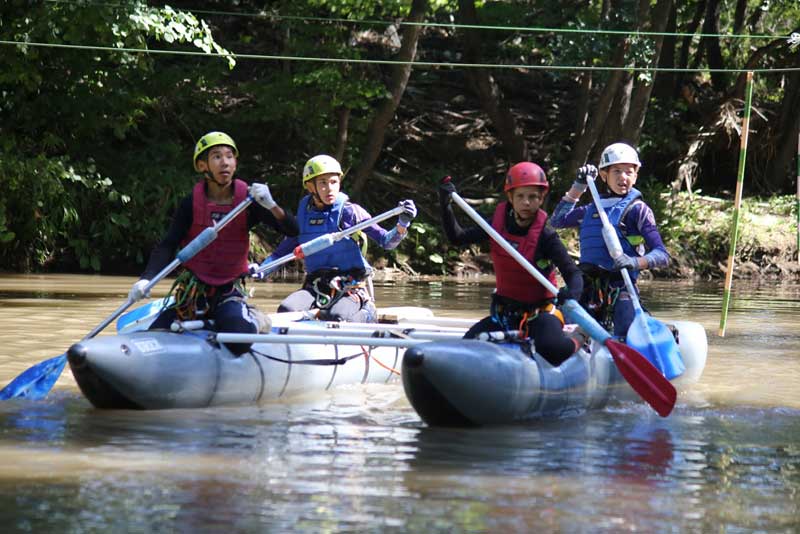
(619, 153)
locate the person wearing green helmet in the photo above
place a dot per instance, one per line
(211, 284)
(337, 278)
(605, 295)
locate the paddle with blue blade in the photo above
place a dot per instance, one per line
(37, 381)
(646, 334)
(645, 379)
(141, 317)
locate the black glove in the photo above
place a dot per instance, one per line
(446, 188)
(587, 171)
(565, 294)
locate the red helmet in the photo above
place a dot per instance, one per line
(525, 173)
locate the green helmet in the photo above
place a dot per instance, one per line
(212, 139)
(318, 165)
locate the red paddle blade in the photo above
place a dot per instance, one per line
(643, 377)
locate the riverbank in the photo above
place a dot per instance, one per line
(696, 230)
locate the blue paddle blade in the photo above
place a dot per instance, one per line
(142, 317)
(37, 381)
(655, 341)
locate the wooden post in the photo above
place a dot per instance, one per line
(798, 197)
(726, 296)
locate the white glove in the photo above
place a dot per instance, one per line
(405, 218)
(137, 291)
(253, 267)
(261, 194)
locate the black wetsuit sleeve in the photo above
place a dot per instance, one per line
(257, 214)
(164, 252)
(552, 248)
(458, 235)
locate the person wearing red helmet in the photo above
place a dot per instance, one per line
(519, 301)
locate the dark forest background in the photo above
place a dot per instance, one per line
(102, 103)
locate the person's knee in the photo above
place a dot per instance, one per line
(549, 339)
(300, 300)
(623, 315)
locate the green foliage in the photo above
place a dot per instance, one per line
(71, 117)
(40, 211)
(87, 129)
(423, 246)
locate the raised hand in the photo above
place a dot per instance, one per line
(261, 194)
(585, 172)
(446, 189)
(410, 211)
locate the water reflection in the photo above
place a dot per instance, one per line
(359, 459)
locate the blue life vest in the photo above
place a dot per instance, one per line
(344, 255)
(593, 248)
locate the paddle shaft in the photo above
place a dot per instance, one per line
(185, 254)
(645, 379)
(612, 243)
(324, 241)
(500, 240)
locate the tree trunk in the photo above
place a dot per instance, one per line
(667, 81)
(584, 97)
(738, 16)
(613, 129)
(752, 62)
(641, 93)
(400, 73)
(784, 135)
(488, 92)
(758, 14)
(686, 46)
(343, 116)
(587, 139)
(712, 47)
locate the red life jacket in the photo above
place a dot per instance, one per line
(225, 259)
(513, 281)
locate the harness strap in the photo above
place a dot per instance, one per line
(195, 299)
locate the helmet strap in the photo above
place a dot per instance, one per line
(315, 194)
(210, 177)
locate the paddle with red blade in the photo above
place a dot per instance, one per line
(645, 379)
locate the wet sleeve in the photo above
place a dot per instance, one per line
(642, 219)
(552, 248)
(567, 215)
(164, 252)
(455, 233)
(352, 214)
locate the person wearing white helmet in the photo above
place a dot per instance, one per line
(337, 278)
(211, 284)
(605, 295)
